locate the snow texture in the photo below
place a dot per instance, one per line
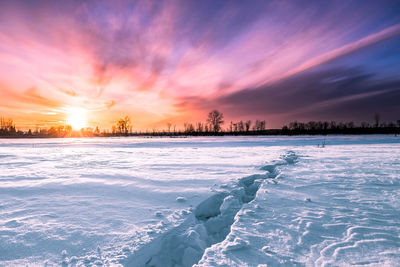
(231, 201)
(209, 224)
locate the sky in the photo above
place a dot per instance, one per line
(174, 61)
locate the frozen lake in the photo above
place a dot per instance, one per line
(212, 201)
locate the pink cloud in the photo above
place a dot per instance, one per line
(143, 60)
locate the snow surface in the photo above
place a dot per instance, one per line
(224, 201)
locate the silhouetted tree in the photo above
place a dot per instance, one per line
(260, 125)
(248, 124)
(68, 128)
(241, 126)
(60, 130)
(52, 132)
(213, 124)
(263, 125)
(292, 126)
(123, 125)
(169, 126)
(377, 118)
(200, 127)
(350, 125)
(188, 127)
(7, 126)
(215, 119)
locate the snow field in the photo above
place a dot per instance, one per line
(210, 223)
(231, 201)
(338, 206)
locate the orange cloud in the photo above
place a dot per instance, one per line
(162, 60)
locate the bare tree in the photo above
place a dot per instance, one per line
(377, 118)
(257, 124)
(68, 128)
(241, 126)
(7, 125)
(123, 125)
(169, 126)
(200, 127)
(215, 119)
(260, 125)
(188, 127)
(248, 124)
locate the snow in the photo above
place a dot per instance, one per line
(215, 201)
(336, 206)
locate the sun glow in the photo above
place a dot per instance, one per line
(77, 118)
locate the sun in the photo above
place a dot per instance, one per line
(77, 118)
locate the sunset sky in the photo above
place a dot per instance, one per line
(173, 61)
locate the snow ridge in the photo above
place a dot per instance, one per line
(210, 223)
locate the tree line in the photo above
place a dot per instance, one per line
(215, 121)
(213, 126)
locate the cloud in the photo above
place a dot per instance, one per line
(169, 59)
(69, 92)
(370, 40)
(349, 94)
(31, 98)
(110, 104)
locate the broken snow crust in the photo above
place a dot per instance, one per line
(210, 223)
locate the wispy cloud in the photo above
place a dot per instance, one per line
(161, 60)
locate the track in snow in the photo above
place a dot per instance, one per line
(209, 224)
